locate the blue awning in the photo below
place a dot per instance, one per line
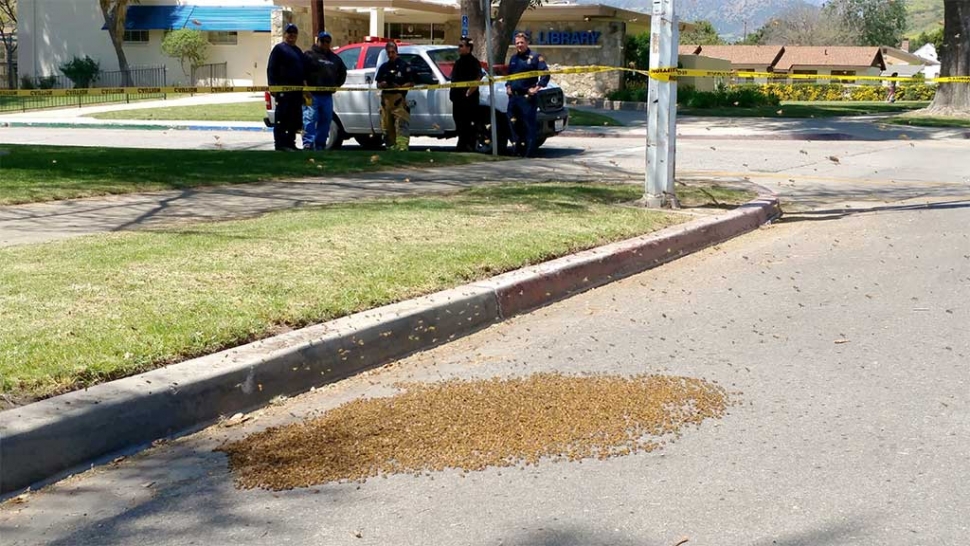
(209, 18)
(225, 18)
(156, 17)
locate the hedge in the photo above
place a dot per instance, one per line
(785, 92)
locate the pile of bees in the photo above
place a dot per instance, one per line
(472, 425)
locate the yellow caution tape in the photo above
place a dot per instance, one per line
(660, 74)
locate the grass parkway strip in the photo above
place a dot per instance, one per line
(31, 174)
(97, 308)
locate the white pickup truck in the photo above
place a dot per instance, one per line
(357, 113)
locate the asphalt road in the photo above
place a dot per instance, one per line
(841, 332)
(844, 342)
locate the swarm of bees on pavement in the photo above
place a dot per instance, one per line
(471, 425)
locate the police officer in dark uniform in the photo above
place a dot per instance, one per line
(464, 100)
(523, 104)
(287, 67)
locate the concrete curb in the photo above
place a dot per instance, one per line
(132, 126)
(606, 104)
(49, 438)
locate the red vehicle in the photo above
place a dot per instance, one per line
(363, 54)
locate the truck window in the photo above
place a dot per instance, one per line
(370, 58)
(445, 59)
(349, 56)
(422, 70)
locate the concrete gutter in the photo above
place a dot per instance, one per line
(54, 437)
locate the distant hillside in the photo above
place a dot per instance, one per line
(924, 16)
(730, 16)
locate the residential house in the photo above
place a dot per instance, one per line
(742, 58)
(832, 60)
(797, 60)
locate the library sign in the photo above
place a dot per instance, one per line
(563, 37)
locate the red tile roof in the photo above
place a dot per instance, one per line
(829, 56)
(737, 54)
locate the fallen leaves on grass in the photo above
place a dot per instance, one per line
(472, 425)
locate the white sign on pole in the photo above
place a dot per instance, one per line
(662, 109)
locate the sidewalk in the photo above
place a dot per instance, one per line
(40, 222)
(866, 128)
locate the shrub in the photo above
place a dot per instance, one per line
(26, 82)
(632, 93)
(840, 92)
(188, 46)
(83, 72)
(46, 82)
(745, 96)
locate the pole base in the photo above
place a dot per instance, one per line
(662, 201)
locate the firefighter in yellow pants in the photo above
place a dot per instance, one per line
(395, 121)
(394, 77)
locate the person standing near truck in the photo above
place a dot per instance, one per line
(523, 103)
(395, 114)
(287, 67)
(464, 100)
(324, 69)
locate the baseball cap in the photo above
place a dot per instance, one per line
(324, 36)
(291, 29)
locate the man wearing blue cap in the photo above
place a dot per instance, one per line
(324, 69)
(287, 67)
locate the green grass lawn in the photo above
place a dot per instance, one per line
(581, 118)
(929, 121)
(807, 109)
(43, 173)
(95, 308)
(241, 111)
(12, 105)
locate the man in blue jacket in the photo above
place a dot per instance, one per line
(523, 104)
(324, 69)
(287, 67)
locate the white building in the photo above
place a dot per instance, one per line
(54, 31)
(242, 32)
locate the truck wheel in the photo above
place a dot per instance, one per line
(335, 139)
(370, 142)
(483, 142)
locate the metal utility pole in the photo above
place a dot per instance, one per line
(662, 109)
(489, 58)
(318, 18)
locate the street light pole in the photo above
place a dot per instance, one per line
(662, 109)
(490, 59)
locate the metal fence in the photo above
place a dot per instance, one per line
(5, 76)
(210, 75)
(154, 76)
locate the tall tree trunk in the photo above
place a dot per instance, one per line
(504, 24)
(115, 12)
(954, 98)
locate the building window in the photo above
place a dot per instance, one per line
(745, 79)
(417, 33)
(136, 37)
(805, 80)
(843, 73)
(224, 38)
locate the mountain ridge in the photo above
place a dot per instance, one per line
(732, 18)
